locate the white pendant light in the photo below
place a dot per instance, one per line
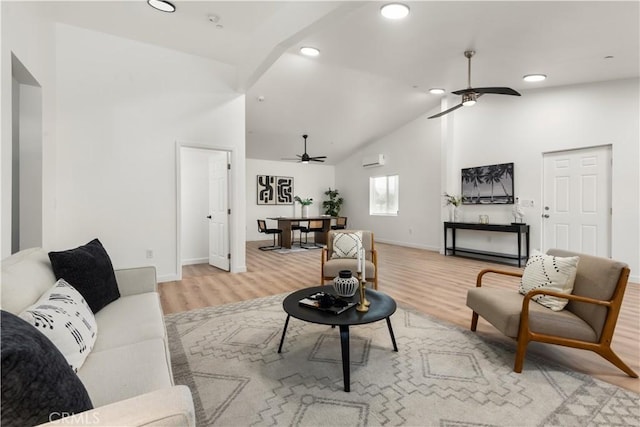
(394, 11)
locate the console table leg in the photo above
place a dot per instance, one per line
(393, 337)
(519, 249)
(344, 344)
(284, 331)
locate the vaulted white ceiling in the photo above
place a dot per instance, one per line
(373, 74)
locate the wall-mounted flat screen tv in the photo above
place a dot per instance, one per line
(488, 185)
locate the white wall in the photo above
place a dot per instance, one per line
(31, 38)
(310, 180)
(122, 106)
(413, 153)
(500, 130)
(505, 129)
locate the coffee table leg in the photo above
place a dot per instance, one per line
(286, 323)
(344, 344)
(393, 338)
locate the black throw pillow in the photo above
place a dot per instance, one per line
(38, 385)
(89, 270)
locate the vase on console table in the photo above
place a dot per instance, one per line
(454, 213)
(305, 211)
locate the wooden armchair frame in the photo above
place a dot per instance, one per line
(601, 347)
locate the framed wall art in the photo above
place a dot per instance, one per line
(488, 185)
(274, 190)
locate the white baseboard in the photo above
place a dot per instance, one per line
(168, 278)
(408, 245)
(193, 261)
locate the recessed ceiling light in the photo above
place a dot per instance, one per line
(394, 10)
(534, 77)
(162, 5)
(436, 91)
(309, 51)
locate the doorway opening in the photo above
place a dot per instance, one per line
(203, 201)
(26, 159)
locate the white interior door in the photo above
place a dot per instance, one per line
(577, 201)
(218, 210)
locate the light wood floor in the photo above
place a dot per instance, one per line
(425, 280)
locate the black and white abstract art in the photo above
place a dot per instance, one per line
(274, 190)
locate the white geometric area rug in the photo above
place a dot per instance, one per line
(442, 375)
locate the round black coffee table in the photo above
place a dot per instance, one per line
(382, 307)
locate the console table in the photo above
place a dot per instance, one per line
(518, 229)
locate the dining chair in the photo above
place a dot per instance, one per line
(262, 228)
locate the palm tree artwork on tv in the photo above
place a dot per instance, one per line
(473, 176)
(491, 184)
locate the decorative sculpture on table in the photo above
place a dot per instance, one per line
(518, 213)
(345, 284)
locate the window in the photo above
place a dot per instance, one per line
(383, 195)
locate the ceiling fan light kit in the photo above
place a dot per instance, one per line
(470, 95)
(469, 99)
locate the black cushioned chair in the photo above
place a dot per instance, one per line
(262, 228)
(312, 226)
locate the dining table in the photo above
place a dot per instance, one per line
(284, 224)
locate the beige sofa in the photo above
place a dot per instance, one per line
(128, 373)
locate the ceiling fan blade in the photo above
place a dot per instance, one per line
(316, 159)
(442, 113)
(494, 90)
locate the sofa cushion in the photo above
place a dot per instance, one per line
(88, 268)
(64, 317)
(129, 320)
(37, 383)
(26, 275)
(550, 273)
(121, 373)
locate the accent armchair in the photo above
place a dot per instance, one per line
(587, 322)
(333, 259)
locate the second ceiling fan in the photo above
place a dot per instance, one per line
(470, 95)
(305, 158)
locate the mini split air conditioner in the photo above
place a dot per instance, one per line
(373, 160)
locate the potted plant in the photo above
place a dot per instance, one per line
(333, 205)
(454, 202)
(305, 205)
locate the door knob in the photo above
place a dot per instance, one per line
(545, 216)
(209, 216)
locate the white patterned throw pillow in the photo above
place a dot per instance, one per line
(345, 245)
(63, 316)
(551, 273)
